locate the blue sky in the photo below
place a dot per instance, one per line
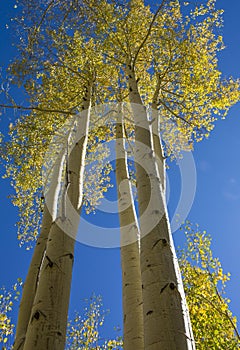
(216, 206)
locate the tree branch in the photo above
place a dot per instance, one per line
(37, 109)
(149, 31)
(156, 92)
(173, 113)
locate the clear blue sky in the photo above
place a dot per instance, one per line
(216, 205)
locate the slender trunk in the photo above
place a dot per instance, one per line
(158, 148)
(32, 278)
(31, 282)
(166, 319)
(130, 255)
(47, 326)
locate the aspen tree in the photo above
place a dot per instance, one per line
(36, 287)
(170, 61)
(160, 48)
(48, 322)
(130, 258)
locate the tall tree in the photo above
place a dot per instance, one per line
(174, 56)
(74, 176)
(130, 240)
(49, 312)
(32, 279)
(161, 47)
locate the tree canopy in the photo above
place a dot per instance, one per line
(172, 48)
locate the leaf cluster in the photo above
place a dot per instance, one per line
(213, 324)
(7, 299)
(84, 330)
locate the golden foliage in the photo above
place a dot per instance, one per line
(213, 324)
(7, 299)
(173, 53)
(84, 331)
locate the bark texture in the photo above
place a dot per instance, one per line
(158, 149)
(166, 318)
(31, 282)
(32, 278)
(130, 255)
(48, 321)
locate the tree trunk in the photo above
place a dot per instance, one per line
(48, 322)
(32, 278)
(130, 255)
(166, 318)
(158, 149)
(31, 282)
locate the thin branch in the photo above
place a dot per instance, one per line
(173, 113)
(37, 109)
(156, 92)
(220, 311)
(225, 313)
(221, 300)
(113, 58)
(45, 14)
(107, 24)
(61, 63)
(173, 93)
(64, 65)
(126, 33)
(38, 26)
(149, 31)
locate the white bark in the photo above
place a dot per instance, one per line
(47, 327)
(158, 149)
(32, 278)
(31, 282)
(166, 318)
(130, 255)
